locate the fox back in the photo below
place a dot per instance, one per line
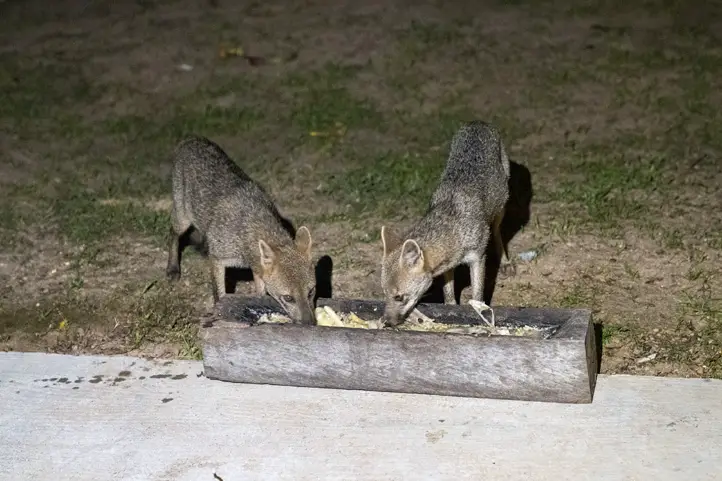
(240, 224)
(204, 177)
(476, 177)
(471, 195)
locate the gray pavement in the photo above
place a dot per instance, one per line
(122, 418)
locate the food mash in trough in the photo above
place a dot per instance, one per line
(325, 316)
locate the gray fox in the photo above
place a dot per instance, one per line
(240, 226)
(468, 203)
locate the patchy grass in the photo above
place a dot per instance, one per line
(611, 190)
(322, 102)
(610, 333)
(579, 295)
(388, 184)
(612, 106)
(69, 322)
(399, 182)
(85, 219)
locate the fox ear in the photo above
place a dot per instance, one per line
(303, 241)
(412, 257)
(268, 257)
(390, 240)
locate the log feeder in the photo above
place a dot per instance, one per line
(560, 366)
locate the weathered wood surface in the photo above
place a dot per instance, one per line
(249, 309)
(561, 368)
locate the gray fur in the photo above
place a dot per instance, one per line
(467, 206)
(240, 226)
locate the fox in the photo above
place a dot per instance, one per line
(465, 210)
(239, 225)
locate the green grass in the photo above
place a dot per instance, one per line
(612, 188)
(35, 93)
(612, 332)
(579, 296)
(156, 315)
(35, 106)
(388, 184)
(321, 111)
(321, 102)
(398, 183)
(178, 121)
(83, 219)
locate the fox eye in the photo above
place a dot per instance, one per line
(288, 299)
(399, 298)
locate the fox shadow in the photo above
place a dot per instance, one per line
(516, 216)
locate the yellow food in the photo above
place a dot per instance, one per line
(273, 319)
(327, 317)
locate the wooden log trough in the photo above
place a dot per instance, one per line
(559, 366)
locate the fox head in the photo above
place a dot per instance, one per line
(405, 278)
(289, 276)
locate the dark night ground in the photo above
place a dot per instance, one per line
(615, 110)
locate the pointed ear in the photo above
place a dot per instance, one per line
(268, 257)
(412, 257)
(390, 240)
(303, 241)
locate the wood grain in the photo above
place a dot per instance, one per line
(561, 368)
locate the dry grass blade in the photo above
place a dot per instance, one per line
(481, 307)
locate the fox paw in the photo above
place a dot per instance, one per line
(507, 269)
(173, 274)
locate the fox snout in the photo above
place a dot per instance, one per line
(302, 313)
(308, 317)
(393, 315)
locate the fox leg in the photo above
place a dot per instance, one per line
(172, 270)
(177, 229)
(218, 278)
(449, 294)
(506, 267)
(477, 277)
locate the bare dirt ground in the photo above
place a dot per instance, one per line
(613, 107)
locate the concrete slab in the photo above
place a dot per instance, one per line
(148, 420)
